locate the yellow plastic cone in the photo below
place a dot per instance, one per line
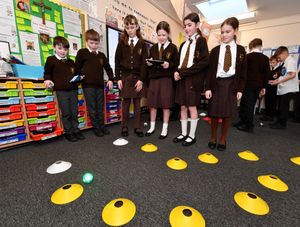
(149, 147)
(67, 193)
(185, 216)
(248, 155)
(296, 160)
(273, 182)
(176, 163)
(118, 212)
(251, 203)
(208, 158)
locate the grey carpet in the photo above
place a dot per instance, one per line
(25, 187)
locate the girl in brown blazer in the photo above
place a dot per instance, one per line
(225, 81)
(191, 71)
(160, 91)
(130, 70)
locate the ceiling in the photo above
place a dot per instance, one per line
(265, 9)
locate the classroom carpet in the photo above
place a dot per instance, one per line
(145, 179)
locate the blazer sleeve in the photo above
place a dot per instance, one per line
(118, 57)
(267, 71)
(108, 69)
(211, 72)
(143, 62)
(79, 61)
(243, 71)
(200, 63)
(48, 69)
(173, 64)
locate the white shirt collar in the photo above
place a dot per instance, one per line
(194, 37)
(165, 44)
(135, 40)
(97, 51)
(59, 58)
(231, 44)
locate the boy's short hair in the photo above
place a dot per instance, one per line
(91, 34)
(255, 43)
(281, 49)
(61, 41)
(274, 57)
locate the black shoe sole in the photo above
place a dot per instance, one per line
(162, 137)
(186, 144)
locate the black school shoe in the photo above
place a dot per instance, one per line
(138, 132)
(212, 145)
(178, 140)
(186, 143)
(161, 137)
(79, 135)
(70, 137)
(245, 128)
(221, 147)
(105, 131)
(124, 132)
(98, 132)
(147, 134)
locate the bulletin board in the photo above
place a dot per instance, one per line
(31, 25)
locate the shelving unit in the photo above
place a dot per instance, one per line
(29, 112)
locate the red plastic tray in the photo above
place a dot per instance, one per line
(32, 107)
(41, 113)
(11, 117)
(10, 109)
(57, 132)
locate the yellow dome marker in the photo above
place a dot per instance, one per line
(208, 158)
(295, 160)
(66, 194)
(176, 163)
(251, 203)
(273, 182)
(149, 147)
(118, 212)
(185, 216)
(248, 155)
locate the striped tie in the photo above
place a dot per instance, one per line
(186, 57)
(161, 51)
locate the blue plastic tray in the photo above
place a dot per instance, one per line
(13, 139)
(29, 72)
(39, 100)
(10, 101)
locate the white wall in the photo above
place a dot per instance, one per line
(274, 33)
(149, 11)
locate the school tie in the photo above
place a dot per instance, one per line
(63, 60)
(161, 51)
(131, 45)
(186, 57)
(94, 52)
(227, 59)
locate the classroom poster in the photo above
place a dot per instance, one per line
(72, 22)
(75, 45)
(48, 28)
(30, 48)
(8, 31)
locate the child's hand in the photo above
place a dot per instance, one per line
(274, 82)
(208, 94)
(149, 63)
(176, 76)
(138, 86)
(165, 65)
(239, 95)
(82, 77)
(120, 84)
(48, 83)
(110, 84)
(262, 92)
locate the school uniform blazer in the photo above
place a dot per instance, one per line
(170, 55)
(200, 64)
(131, 64)
(240, 69)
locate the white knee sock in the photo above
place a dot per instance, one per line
(152, 127)
(183, 128)
(164, 131)
(192, 129)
